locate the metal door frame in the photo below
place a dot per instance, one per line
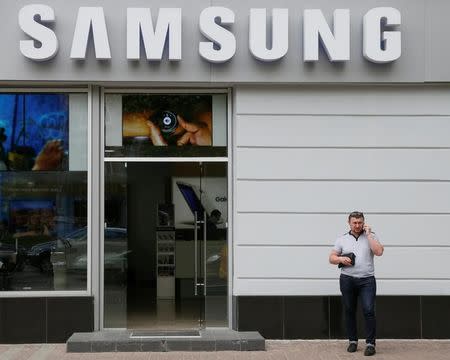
(98, 134)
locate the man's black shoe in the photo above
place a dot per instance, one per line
(352, 347)
(370, 350)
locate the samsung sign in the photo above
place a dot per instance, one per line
(381, 37)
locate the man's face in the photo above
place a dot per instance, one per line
(356, 225)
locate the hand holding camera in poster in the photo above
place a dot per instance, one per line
(196, 133)
(192, 133)
(175, 120)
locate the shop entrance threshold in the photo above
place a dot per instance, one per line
(152, 334)
(164, 341)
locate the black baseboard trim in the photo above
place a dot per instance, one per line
(322, 317)
(44, 319)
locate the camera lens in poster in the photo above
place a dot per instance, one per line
(167, 120)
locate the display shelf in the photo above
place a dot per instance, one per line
(165, 256)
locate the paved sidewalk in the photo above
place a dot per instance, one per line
(276, 350)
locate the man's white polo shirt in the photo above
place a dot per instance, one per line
(348, 243)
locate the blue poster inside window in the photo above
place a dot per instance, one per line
(34, 131)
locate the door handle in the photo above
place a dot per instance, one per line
(196, 269)
(195, 254)
(204, 253)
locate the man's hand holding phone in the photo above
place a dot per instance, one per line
(367, 229)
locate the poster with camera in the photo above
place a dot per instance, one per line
(167, 120)
(34, 132)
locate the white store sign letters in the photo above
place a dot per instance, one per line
(381, 38)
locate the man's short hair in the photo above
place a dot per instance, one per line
(356, 215)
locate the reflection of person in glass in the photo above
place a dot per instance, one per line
(4, 255)
(11, 258)
(212, 232)
(3, 138)
(6, 239)
(38, 223)
(4, 233)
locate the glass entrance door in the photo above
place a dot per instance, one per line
(165, 245)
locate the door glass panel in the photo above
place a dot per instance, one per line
(116, 250)
(215, 200)
(161, 125)
(156, 258)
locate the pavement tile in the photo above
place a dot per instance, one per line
(25, 352)
(252, 345)
(209, 356)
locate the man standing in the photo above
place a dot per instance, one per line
(357, 278)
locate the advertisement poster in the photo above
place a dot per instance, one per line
(34, 132)
(32, 217)
(167, 120)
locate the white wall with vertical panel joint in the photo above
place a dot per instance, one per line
(307, 156)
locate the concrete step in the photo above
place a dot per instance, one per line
(163, 341)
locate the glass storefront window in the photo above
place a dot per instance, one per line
(165, 125)
(43, 191)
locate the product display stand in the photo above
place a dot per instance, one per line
(165, 266)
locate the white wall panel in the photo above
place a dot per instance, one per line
(283, 262)
(342, 131)
(312, 263)
(323, 229)
(306, 156)
(343, 164)
(310, 287)
(343, 196)
(344, 100)
(277, 287)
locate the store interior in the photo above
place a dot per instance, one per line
(154, 236)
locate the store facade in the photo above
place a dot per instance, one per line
(167, 166)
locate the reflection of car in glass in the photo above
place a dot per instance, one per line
(71, 250)
(11, 258)
(39, 256)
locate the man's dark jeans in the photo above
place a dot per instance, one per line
(365, 289)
